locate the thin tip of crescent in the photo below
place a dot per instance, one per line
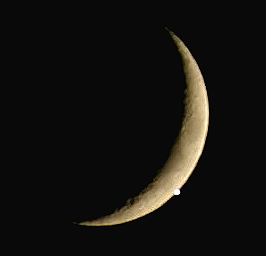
(84, 223)
(168, 29)
(88, 223)
(171, 32)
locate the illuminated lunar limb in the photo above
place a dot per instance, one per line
(185, 152)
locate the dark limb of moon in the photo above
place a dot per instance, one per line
(184, 154)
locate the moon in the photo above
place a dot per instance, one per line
(184, 154)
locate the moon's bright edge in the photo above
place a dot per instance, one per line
(184, 154)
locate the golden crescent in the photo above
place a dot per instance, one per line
(184, 154)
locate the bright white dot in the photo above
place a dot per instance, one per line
(177, 192)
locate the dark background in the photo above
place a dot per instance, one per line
(106, 104)
(88, 104)
(118, 109)
(122, 104)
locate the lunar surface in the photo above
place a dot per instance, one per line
(184, 154)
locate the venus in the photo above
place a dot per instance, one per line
(177, 192)
(184, 155)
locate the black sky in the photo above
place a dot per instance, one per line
(122, 86)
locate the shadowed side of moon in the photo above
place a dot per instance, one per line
(117, 118)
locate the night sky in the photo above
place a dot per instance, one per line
(118, 111)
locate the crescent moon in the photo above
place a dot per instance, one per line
(184, 154)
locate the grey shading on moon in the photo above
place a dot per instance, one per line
(184, 154)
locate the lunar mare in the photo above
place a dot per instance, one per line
(184, 154)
